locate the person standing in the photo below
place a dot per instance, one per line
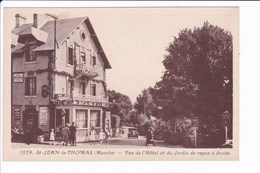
(58, 133)
(73, 132)
(107, 133)
(102, 136)
(65, 133)
(92, 136)
(111, 133)
(52, 137)
(150, 137)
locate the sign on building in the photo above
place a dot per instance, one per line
(43, 116)
(17, 115)
(18, 78)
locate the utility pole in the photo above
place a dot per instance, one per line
(54, 48)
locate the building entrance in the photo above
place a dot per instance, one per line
(62, 117)
(30, 118)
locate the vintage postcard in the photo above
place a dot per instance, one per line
(132, 84)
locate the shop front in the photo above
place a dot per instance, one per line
(30, 121)
(84, 117)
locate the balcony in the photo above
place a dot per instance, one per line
(80, 99)
(86, 70)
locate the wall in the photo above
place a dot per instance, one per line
(18, 95)
(19, 64)
(18, 92)
(60, 84)
(61, 59)
(84, 46)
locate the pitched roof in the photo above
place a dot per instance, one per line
(64, 27)
(28, 29)
(18, 48)
(23, 29)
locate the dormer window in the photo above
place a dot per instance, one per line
(29, 54)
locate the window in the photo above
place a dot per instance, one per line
(82, 89)
(94, 60)
(70, 60)
(88, 55)
(29, 54)
(83, 57)
(30, 86)
(82, 35)
(94, 118)
(81, 118)
(93, 89)
(71, 86)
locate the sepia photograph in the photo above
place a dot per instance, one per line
(121, 83)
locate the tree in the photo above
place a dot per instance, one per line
(133, 117)
(120, 105)
(144, 103)
(115, 121)
(198, 76)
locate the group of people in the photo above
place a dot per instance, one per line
(68, 135)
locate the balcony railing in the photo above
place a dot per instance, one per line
(87, 70)
(81, 99)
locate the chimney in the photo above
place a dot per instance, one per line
(19, 20)
(35, 21)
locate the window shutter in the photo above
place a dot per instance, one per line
(91, 59)
(26, 86)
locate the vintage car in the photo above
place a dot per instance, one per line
(133, 133)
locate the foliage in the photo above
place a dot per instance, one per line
(144, 103)
(120, 105)
(142, 119)
(198, 76)
(133, 115)
(51, 67)
(115, 121)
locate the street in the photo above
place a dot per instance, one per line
(112, 143)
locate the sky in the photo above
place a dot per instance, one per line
(135, 39)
